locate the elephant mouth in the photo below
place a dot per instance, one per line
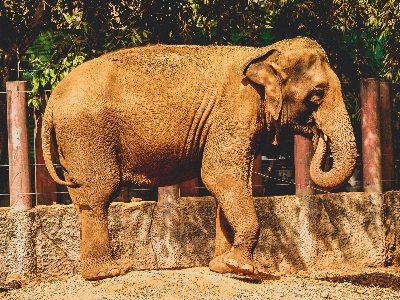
(327, 158)
(308, 130)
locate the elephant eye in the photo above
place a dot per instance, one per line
(316, 96)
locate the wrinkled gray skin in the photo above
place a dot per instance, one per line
(160, 115)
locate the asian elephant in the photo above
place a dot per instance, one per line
(159, 115)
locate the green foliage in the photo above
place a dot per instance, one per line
(384, 20)
(48, 75)
(353, 105)
(361, 38)
(232, 22)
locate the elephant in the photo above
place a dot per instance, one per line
(158, 115)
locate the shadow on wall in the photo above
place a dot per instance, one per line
(322, 232)
(283, 252)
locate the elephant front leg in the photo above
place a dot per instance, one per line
(223, 243)
(244, 222)
(233, 193)
(96, 259)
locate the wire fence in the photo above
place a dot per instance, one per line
(277, 166)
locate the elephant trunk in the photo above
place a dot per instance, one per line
(338, 128)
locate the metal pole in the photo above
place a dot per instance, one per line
(256, 177)
(20, 253)
(189, 188)
(303, 153)
(166, 215)
(123, 195)
(18, 146)
(386, 137)
(45, 186)
(168, 194)
(371, 136)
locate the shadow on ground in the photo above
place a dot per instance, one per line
(376, 279)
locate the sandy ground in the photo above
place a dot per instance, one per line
(200, 283)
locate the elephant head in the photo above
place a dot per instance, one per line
(303, 92)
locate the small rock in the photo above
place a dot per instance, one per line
(326, 295)
(14, 284)
(15, 277)
(10, 285)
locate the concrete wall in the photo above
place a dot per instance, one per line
(331, 231)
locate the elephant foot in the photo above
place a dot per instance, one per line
(218, 265)
(102, 270)
(240, 263)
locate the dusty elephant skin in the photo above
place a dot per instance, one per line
(159, 115)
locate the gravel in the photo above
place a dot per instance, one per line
(200, 283)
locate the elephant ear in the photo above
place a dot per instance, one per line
(265, 71)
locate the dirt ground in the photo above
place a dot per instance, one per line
(200, 283)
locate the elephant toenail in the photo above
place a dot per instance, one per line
(232, 263)
(115, 272)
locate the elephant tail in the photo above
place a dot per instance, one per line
(47, 133)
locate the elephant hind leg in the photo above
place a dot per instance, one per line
(98, 184)
(96, 257)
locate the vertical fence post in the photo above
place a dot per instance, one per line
(45, 186)
(20, 252)
(386, 137)
(168, 194)
(371, 136)
(18, 146)
(123, 195)
(165, 218)
(256, 177)
(303, 153)
(189, 188)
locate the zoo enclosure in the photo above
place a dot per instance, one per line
(274, 174)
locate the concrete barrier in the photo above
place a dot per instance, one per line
(309, 233)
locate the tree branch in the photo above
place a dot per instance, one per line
(41, 18)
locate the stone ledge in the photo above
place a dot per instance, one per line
(322, 232)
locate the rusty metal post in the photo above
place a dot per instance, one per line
(123, 195)
(256, 177)
(18, 146)
(189, 188)
(168, 194)
(371, 136)
(21, 250)
(45, 186)
(303, 153)
(168, 209)
(386, 137)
